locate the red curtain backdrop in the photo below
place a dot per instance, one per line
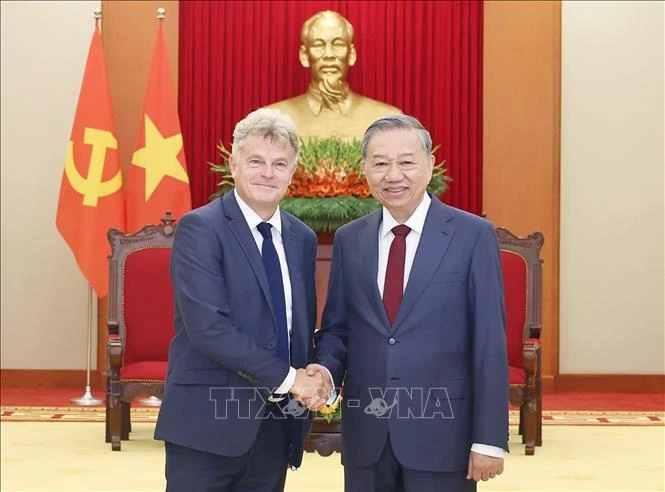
(424, 57)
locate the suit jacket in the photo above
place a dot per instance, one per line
(222, 362)
(437, 380)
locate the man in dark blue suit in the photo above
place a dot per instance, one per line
(414, 322)
(245, 310)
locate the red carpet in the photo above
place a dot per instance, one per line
(627, 402)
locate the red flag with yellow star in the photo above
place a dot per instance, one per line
(157, 179)
(91, 199)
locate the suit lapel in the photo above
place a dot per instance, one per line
(299, 333)
(437, 235)
(368, 251)
(240, 229)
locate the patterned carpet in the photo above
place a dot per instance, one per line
(145, 414)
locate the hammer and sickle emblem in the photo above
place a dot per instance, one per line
(92, 187)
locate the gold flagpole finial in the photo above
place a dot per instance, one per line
(161, 13)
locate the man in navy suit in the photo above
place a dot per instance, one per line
(245, 310)
(414, 322)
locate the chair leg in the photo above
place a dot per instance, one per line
(115, 421)
(521, 425)
(108, 415)
(530, 426)
(125, 426)
(113, 413)
(539, 419)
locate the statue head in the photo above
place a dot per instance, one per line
(329, 107)
(327, 49)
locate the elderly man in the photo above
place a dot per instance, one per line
(245, 309)
(414, 321)
(329, 107)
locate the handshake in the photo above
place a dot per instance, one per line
(313, 386)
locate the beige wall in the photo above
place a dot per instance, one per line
(612, 188)
(44, 296)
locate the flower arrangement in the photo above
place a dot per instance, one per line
(331, 412)
(328, 188)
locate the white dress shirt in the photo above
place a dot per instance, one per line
(253, 220)
(416, 222)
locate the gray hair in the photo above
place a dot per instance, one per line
(304, 32)
(267, 123)
(396, 122)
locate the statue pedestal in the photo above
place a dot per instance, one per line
(324, 438)
(323, 258)
(325, 238)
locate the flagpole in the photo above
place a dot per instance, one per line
(88, 399)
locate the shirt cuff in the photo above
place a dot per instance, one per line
(333, 392)
(488, 450)
(280, 392)
(333, 397)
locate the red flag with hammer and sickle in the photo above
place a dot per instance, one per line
(91, 196)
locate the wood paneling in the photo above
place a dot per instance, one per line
(48, 378)
(521, 144)
(611, 383)
(128, 35)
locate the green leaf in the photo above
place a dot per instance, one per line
(329, 213)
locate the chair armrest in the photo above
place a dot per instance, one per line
(531, 352)
(113, 328)
(115, 346)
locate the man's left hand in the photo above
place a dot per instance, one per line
(483, 467)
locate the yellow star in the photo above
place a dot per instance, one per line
(159, 158)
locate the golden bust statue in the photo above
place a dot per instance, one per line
(329, 108)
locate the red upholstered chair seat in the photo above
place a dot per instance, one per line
(516, 375)
(140, 321)
(522, 269)
(153, 371)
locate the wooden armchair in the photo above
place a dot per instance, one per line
(522, 280)
(140, 321)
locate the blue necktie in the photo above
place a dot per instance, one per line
(274, 274)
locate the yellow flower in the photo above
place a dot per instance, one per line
(332, 408)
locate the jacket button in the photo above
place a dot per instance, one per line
(271, 345)
(391, 341)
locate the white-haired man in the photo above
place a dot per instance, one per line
(245, 310)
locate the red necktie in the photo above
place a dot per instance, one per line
(394, 285)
